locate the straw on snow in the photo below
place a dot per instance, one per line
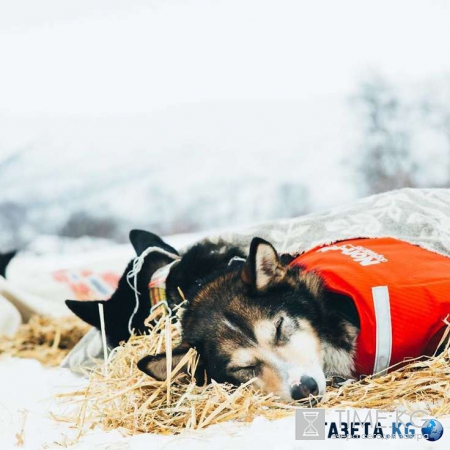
(47, 339)
(126, 398)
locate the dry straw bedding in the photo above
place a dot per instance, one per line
(118, 395)
(47, 339)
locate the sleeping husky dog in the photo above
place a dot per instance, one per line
(247, 317)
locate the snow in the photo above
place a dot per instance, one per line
(202, 176)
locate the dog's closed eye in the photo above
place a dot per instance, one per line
(284, 328)
(279, 330)
(246, 368)
(245, 372)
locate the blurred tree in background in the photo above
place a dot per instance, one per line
(14, 218)
(82, 223)
(404, 135)
(13, 224)
(384, 160)
(435, 109)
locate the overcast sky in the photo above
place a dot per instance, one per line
(114, 56)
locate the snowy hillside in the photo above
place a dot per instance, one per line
(185, 168)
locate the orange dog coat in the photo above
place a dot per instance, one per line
(401, 293)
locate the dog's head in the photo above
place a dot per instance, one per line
(199, 263)
(119, 308)
(258, 319)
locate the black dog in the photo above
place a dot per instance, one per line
(198, 264)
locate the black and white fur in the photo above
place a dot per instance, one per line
(256, 317)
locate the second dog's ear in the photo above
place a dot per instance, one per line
(141, 240)
(156, 365)
(263, 266)
(86, 310)
(5, 259)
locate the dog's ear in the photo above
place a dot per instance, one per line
(86, 310)
(141, 240)
(5, 259)
(263, 266)
(156, 365)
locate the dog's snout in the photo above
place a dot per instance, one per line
(305, 388)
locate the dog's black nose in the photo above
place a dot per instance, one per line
(305, 388)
